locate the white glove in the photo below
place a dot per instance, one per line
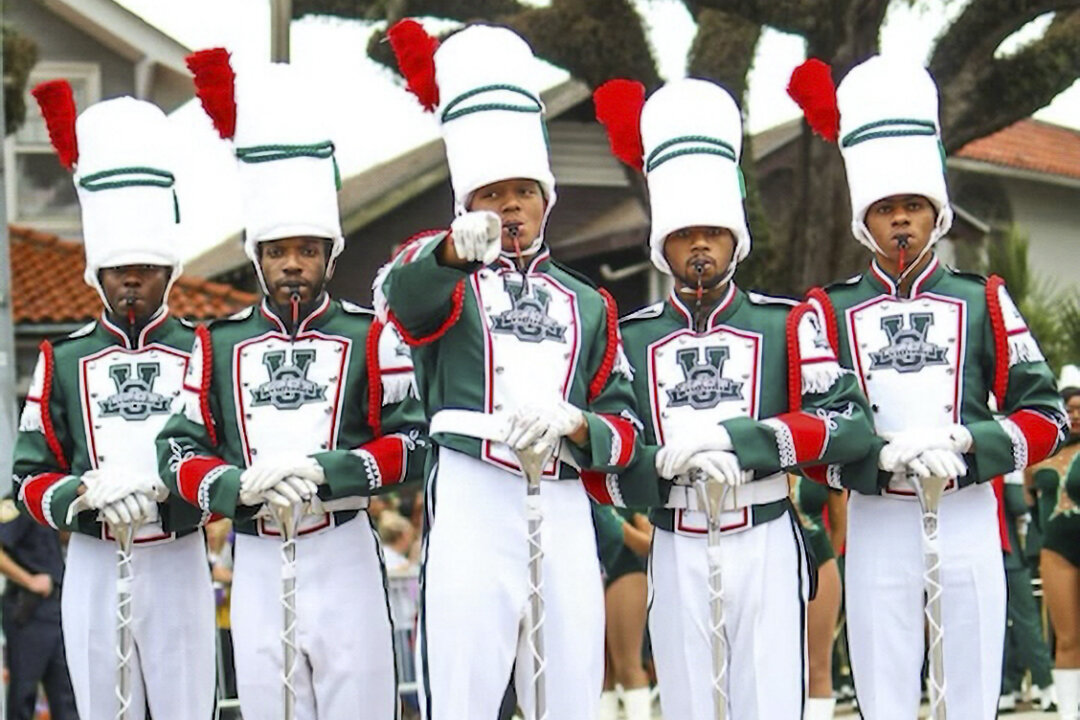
(905, 446)
(719, 466)
(537, 427)
(134, 508)
(291, 490)
(477, 236)
(105, 487)
(265, 474)
(673, 459)
(939, 463)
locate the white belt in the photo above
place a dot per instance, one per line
(900, 487)
(494, 427)
(756, 492)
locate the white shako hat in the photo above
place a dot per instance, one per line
(277, 122)
(691, 132)
(1070, 377)
(481, 85)
(890, 139)
(122, 154)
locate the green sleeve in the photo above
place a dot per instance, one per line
(1072, 479)
(420, 292)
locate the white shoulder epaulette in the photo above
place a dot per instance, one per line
(351, 307)
(84, 330)
(759, 299)
(649, 311)
(188, 323)
(242, 314)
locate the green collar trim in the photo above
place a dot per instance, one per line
(698, 145)
(896, 127)
(133, 176)
(449, 113)
(270, 153)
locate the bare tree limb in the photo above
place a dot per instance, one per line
(1003, 91)
(723, 49)
(802, 17)
(394, 10)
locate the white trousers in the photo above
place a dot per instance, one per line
(766, 585)
(345, 667)
(475, 591)
(884, 585)
(172, 626)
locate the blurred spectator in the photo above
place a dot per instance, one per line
(398, 537)
(32, 560)
(219, 543)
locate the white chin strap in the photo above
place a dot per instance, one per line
(174, 273)
(941, 227)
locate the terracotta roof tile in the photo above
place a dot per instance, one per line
(47, 284)
(1029, 145)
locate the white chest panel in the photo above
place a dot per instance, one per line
(697, 381)
(127, 395)
(909, 356)
(288, 394)
(532, 341)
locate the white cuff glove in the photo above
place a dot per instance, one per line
(266, 474)
(132, 509)
(537, 427)
(939, 463)
(905, 446)
(718, 466)
(105, 487)
(673, 459)
(477, 236)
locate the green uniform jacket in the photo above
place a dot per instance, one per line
(481, 343)
(935, 358)
(97, 401)
(340, 391)
(763, 370)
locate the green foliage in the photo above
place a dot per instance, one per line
(20, 55)
(1052, 316)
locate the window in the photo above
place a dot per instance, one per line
(39, 191)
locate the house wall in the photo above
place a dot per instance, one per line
(58, 41)
(1050, 215)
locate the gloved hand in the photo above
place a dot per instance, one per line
(477, 236)
(673, 459)
(133, 508)
(939, 463)
(905, 446)
(290, 490)
(718, 466)
(540, 426)
(265, 474)
(107, 486)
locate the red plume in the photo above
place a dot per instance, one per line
(812, 87)
(618, 108)
(415, 53)
(58, 108)
(215, 84)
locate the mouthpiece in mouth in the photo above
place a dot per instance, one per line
(902, 245)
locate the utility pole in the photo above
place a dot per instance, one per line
(280, 18)
(8, 410)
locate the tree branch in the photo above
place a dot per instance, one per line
(394, 10)
(801, 17)
(723, 49)
(977, 103)
(973, 37)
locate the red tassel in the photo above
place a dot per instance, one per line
(415, 49)
(58, 108)
(618, 108)
(215, 84)
(812, 87)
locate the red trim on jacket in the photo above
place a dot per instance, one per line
(809, 434)
(595, 484)
(374, 378)
(33, 494)
(627, 436)
(51, 438)
(389, 454)
(457, 302)
(202, 333)
(795, 355)
(1040, 432)
(190, 474)
(1001, 340)
(611, 349)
